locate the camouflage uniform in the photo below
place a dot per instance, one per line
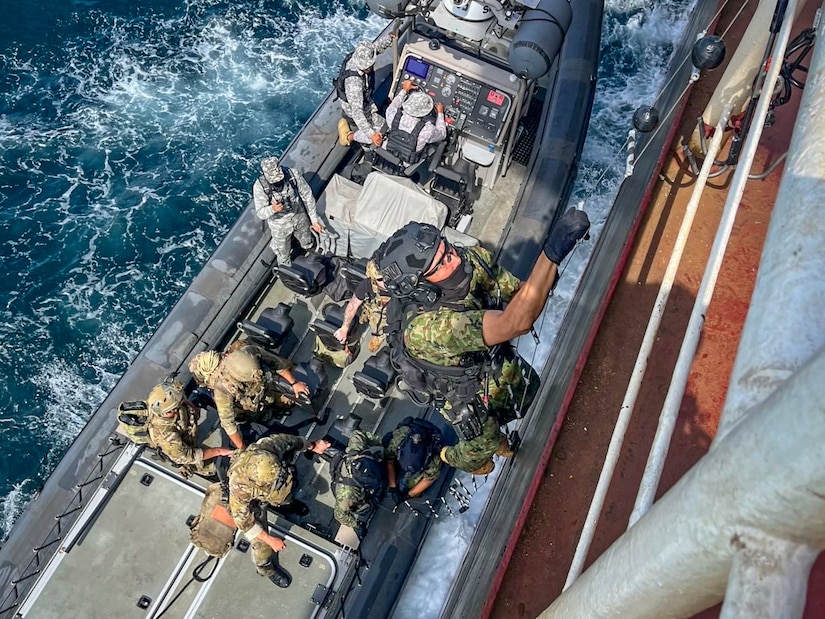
(261, 475)
(431, 470)
(443, 335)
(353, 505)
(177, 438)
(429, 134)
(248, 398)
(366, 118)
(374, 311)
(284, 225)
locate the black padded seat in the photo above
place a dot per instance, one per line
(306, 275)
(325, 328)
(355, 272)
(454, 186)
(271, 327)
(378, 375)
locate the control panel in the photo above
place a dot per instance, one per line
(471, 107)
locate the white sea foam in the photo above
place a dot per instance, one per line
(114, 195)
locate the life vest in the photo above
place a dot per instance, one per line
(339, 83)
(290, 199)
(404, 144)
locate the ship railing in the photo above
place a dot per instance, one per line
(747, 522)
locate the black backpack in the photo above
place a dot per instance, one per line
(363, 469)
(416, 450)
(403, 144)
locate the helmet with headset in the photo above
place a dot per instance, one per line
(405, 257)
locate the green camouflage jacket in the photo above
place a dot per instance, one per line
(442, 335)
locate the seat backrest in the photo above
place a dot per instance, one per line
(307, 275)
(378, 375)
(270, 328)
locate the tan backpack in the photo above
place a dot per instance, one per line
(213, 531)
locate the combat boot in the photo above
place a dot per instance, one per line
(485, 469)
(295, 508)
(503, 448)
(280, 577)
(344, 134)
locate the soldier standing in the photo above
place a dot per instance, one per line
(450, 330)
(260, 476)
(173, 429)
(355, 85)
(284, 200)
(243, 385)
(358, 480)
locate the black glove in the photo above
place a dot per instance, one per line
(572, 226)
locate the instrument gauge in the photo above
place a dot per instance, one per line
(446, 91)
(450, 79)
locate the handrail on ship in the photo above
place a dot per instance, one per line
(790, 562)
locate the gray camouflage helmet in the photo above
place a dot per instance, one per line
(165, 397)
(364, 56)
(418, 104)
(273, 172)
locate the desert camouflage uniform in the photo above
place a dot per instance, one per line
(443, 335)
(353, 505)
(374, 309)
(284, 225)
(367, 120)
(261, 475)
(256, 400)
(177, 438)
(432, 468)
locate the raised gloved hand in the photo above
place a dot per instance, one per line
(572, 226)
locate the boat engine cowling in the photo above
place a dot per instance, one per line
(539, 38)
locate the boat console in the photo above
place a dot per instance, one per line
(479, 98)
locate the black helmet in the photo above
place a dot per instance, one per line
(405, 257)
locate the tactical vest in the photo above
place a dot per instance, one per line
(249, 396)
(278, 490)
(185, 424)
(339, 83)
(413, 454)
(431, 383)
(290, 199)
(363, 469)
(404, 144)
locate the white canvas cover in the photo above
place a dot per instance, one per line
(362, 220)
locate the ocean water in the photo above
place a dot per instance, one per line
(130, 134)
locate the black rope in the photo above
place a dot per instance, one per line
(196, 576)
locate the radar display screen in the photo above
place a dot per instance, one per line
(416, 67)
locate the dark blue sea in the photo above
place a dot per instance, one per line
(130, 135)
